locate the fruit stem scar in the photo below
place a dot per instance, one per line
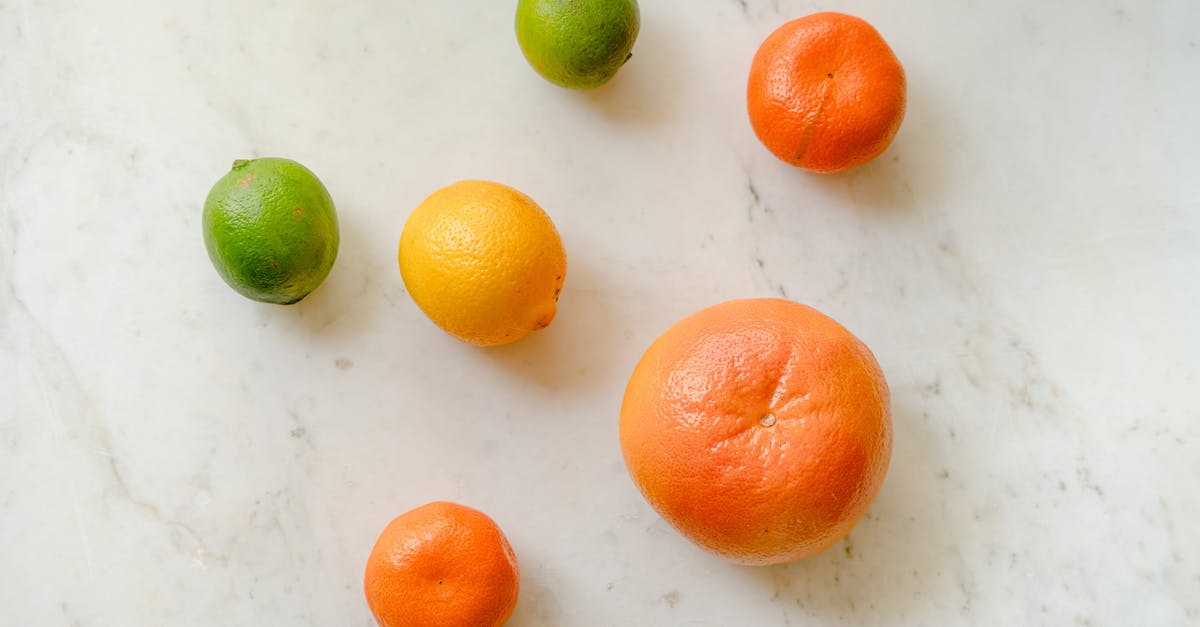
(767, 420)
(239, 163)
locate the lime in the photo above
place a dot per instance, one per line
(271, 230)
(578, 44)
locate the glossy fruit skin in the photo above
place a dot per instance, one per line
(483, 261)
(271, 230)
(759, 428)
(826, 92)
(578, 44)
(442, 565)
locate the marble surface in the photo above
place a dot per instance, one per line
(1023, 261)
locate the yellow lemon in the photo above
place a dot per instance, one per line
(483, 261)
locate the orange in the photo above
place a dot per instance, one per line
(826, 93)
(442, 565)
(760, 429)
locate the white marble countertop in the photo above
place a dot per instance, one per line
(1023, 261)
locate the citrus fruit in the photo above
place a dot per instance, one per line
(271, 230)
(442, 565)
(826, 93)
(578, 44)
(760, 429)
(483, 261)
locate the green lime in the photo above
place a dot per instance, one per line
(577, 43)
(271, 230)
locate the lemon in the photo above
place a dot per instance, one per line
(483, 261)
(578, 44)
(271, 230)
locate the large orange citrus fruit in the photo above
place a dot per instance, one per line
(442, 565)
(761, 429)
(826, 93)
